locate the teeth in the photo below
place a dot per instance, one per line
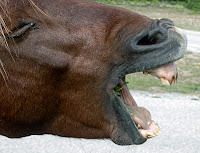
(173, 79)
(132, 115)
(154, 122)
(150, 134)
(139, 126)
(165, 81)
(159, 128)
(156, 131)
(145, 73)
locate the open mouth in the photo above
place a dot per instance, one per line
(160, 45)
(140, 116)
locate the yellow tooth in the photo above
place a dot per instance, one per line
(153, 122)
(150, 134)
(165, 81)
(173, 80)
(139, 126)
(156, 131)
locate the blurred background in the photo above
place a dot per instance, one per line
(193, 5)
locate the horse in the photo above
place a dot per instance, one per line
(63, 65)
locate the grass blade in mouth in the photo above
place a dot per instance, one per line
(118, 87)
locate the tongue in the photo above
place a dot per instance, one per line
(125, 95)
(140, 115)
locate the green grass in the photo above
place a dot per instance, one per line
(144, 3)
(182, 17)
(178, 4)
(188, 80)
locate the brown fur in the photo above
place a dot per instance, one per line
(57, 80)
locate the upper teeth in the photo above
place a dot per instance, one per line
(165, 81)
(139, 126)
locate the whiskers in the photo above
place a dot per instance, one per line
(3, 72)
(3, 40)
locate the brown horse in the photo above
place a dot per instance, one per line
(63, 65)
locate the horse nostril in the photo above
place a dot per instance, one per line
(167, 21)
(157, 34)
(147, 41)
(159, 30)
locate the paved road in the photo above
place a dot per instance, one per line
(193, 40)
(178, 116)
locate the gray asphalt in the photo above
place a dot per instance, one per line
(193, 40)
(178, 116)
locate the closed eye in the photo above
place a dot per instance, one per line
(20, 30)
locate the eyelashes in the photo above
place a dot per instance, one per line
(21, 30)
